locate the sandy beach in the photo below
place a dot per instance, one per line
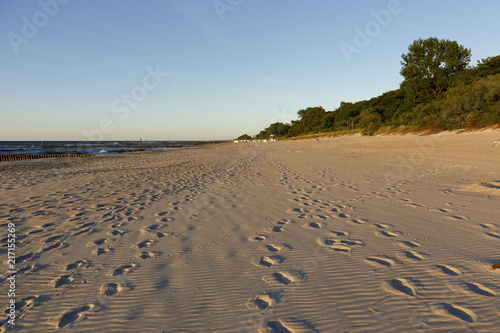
(348, 234)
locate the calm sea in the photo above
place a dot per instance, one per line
(81, 147)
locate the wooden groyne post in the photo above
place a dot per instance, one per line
(21, 157)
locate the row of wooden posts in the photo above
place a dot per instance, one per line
(20, 157)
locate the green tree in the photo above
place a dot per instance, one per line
(488, 66)
(328, 121)
(244, 137)
(430, 64)
(370, 123)
(310, 121)
(278, 129)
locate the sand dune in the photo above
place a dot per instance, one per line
(350, 234)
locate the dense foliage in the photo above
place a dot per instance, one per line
(244, 137)
(439, 92)
(430, 65)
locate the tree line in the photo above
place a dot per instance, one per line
(440, 91)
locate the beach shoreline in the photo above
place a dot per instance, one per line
(349, 234)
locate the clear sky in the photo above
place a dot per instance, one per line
(204, 69)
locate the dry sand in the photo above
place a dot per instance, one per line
(351, 234)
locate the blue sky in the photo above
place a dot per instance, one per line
(205, 69)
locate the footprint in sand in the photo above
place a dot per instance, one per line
(449, 270)
(123, 269)
(78, 264)
(340, 233)
(298, 211)
(165, 219)
(279, 327)
(357, 221)
(410, 244)
(340, 248)
(414, 205)
(284, 278)
(75, 315)
(312, 225)
(22, 258)
(111, 289)
(161, 214)
(117, 232)
(82, 214)
(460, 312)
(351, 242)
(259, 238)
(144, 244)
(98, 242)
(493, 234)
(341, 245)
(404, 286)
(62, 280)
(266, 300)
(152, 227)
(271, 261)
(443, 210)
(278, 229)
(414, 255)
(480, 289)
(144, 255)
(273, 248)
(343, 216)
(383, 226)
(458, 217)
(385, 261)
(387, 234)
(101, 251)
